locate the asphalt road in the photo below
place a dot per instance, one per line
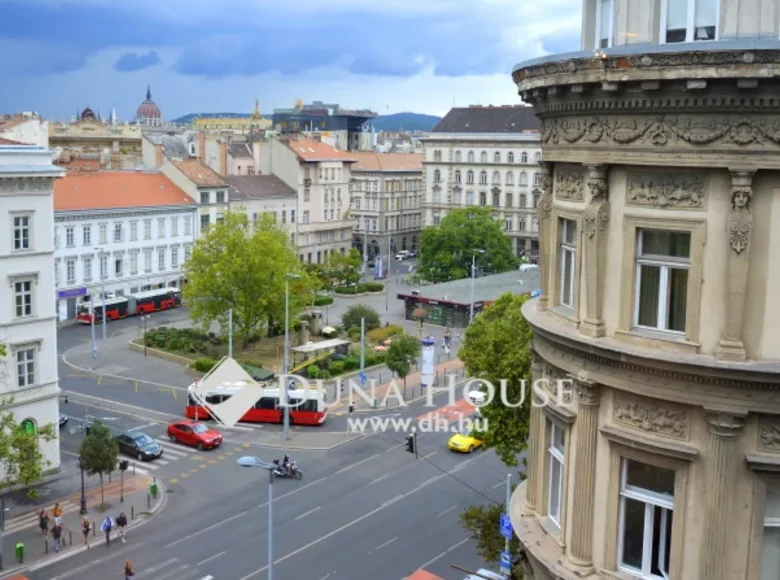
(368, 509)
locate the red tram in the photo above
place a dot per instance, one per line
(131, 305)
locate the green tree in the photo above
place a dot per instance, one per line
(99, 453)
(21, 459)
(446, 250)
(402, 354)
(351, 318)
(482, 523)
(345, 268)
(243, 266)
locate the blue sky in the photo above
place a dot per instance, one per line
(221, 55)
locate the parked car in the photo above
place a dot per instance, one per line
(63, 420)
(402, 255)
(195, 434)
(139, 445)
(483, 574)
(413, 254)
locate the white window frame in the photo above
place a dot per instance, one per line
(87, 268)
(567, 258)
(160, 228)
(175, 227)
(70, 271)
(103, 229)
(666, 263)
(28, 304)
(70, 236)
(104, 266)
(690, 21)
(86, 235)
(187, 225)
(134, 262)
(187, 253)
(134, 231)
(118, 233)
(174, 257)
(769, 522)
(652, 500)
(26, 356)
(148, 257)
(555, 455)
(161, 259)
(524, 157)
(22, 229)
(597, 40)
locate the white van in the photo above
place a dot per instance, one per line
(483, 573)
(402, 255)
(476, 398)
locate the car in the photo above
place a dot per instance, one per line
(463, 442)
(402, 255)
(413, 254)
(195, 434)
(483, 574)
(139, 445)
(63, 420)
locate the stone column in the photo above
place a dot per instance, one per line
(722, 463)
(534, 435)
(739, 226)
(594, 242)
(587, 425)
(545, 231)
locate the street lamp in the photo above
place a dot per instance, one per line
(144, 318)
(473, 276)
(103, 274)
(83, 506)
(255, 462)
(286, 368)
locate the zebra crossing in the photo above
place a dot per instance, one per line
(171, 452)
(173, 569)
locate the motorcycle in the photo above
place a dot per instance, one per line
(291, 471)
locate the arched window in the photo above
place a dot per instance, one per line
(524, 157)
(538, 157)
(483, 177)
(471, 157)
(436, 176)
(457, 157)
(537, 179)
(510, 157)
(510, 178)
(483, 157)
(523, 178)
(457, 176)
(496, 178)
(497, 157)
(470, 177)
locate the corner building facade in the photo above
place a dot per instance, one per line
(660, 279)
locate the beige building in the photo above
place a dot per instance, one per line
(386, 193)
(659, 263)
(320, 174)
(488, 157)
(204, 185)
(259, 194)
(27, 128)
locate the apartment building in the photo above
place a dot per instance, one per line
(259, 194)
(488, 157)
(204, 186)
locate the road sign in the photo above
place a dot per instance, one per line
(363, 378)
(506, 526)
(506, 562)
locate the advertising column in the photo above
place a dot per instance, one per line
(428, 374)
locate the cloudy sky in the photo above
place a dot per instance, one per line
(221, 55)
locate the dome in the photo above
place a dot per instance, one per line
(88, 115)
(148, 109)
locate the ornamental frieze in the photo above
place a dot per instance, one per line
(769, 434)
(667, 191)
(651, 416)
(26, 185)
(569, 185)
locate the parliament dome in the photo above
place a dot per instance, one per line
(148, 110)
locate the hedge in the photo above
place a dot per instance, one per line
(374, 286)
(204, 365)
(380, 335)
(323, 300)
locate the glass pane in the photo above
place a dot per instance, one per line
(705, 19)
(772, 503)
(570, 231)
(604, 23)
(649, 289)
(658, 243)
(555, 490)
(567, 264)
(678, 296)
(650, 477)
(558, 436)
(633, 526)
(662, 541)
(770, 554)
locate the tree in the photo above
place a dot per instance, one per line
(99, 453)
(338, 270)
(351, 318)
(403, 352)
(446, 249)
(242, 267)
(21, 460)
(482, 524)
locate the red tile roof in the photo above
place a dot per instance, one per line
(79, 164)
(308, 150)
(4, 141)
(370, 161)
(201, 175)
(116, 189)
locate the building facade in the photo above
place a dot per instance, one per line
(118, 232)
(259, 194)
(659, 264)
(321, 175)
(386, 193)
(27, 128)
(28, 321)
(344, 129)
(203, 185)
(488, 157)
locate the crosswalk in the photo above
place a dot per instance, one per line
(171, 452)
(31, 519)
(172, 569)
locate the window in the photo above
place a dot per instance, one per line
(87, 268)
(204, 197)
(56, 271)
(86, 235)
(147, 229)
(469, 198)
(483, 158)
(25, 367)
(482, 198)
(103, 266)
(436, 176)
(496, 178)
(133, 231)
(357, 203)
(471, 157)
(524, 157)
(306, 194)
(537, 179)
(457, 198)
(133, 263)
(148, 260)
(118, 267)
(663, 260)
(470, 177)
(496, 199)
(508, 200)
(521, 225)
(174, 257)
(292, 216)
(22, 233)
(161, 259)
(555, 478)
(537, 157)
(646, 510)
(604, 20)
(510, 157)
(103, 233)
(70, 237)
(457, 176)
(496, 157)
(510, 178)
(187, 252)
(536, 199)
(437, 155)
(174, 226)
(305, 216)
(205, 219)
(770, 547)
(568, 230)
(689, 20)
(284, 216)
(23, 297)
(523, 200)
(187, 226)
(220, 197)
(70, 271)
(508, 224)
(56, 238)
(457, 157)
(160, 228)
(436, 219)
(483, 177)
(117, 233)
(523, 179)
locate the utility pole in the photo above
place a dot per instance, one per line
(387, 281)
(508, 500)
(365, 248)
(362, 347)
(230, 333)
(103, 274)
(92, 325)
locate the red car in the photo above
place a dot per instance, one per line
(194, 434)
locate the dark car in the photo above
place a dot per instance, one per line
(63, 420)
(413, 254)
(139, 445)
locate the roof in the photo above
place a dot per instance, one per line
(240, 149)
(312, 347)
(173, 145)
(490, 119)
(200, 174)
(486, 289)
(308, 150)
(4, 141)
(370, 161)
(116, 189)
(81, 164)
(258, 186)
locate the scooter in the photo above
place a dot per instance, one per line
(291, 472)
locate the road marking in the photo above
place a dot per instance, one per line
(184, 476)
(362, 461)
(100, 379)
(498, 485)
(173, 480)
(390, 501)
(161, 566)
(210, 559)
(386, 475)
(76, 397)
(308, 513)
(430, 454)
(444, 553)
(326, 576)
(146, 426)
(387, 543)
(448, 510)
(65, 451)
(193, 471)
(172, 572)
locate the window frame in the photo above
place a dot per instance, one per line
(554, 454)
(611, 25)
(28, 228)
(26, 348)
(31, 280)
(690, 22)
(86, 235)
(567, 257)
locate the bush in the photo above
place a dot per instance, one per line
(325, 374)
(379, 335)
(374, 286)
(313, 372)
(375, 358)
(346, 290)
(351, 318)
(323, 300)
(336, 367)
(351, 363)
(204, 365)
(354, 333)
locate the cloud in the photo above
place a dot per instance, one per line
(132, 61)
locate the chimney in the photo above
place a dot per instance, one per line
(202, 147)
(223, 158)
(158, 156)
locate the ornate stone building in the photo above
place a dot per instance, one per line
(659, 263)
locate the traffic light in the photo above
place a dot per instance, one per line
(410, 444)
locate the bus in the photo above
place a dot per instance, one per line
(307, 406)
(153, 300)
(115, 308)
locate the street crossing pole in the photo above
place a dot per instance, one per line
(92, 325)
(508, 499)
(230, 333)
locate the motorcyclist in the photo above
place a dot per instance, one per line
(286, 464)
(277, 467)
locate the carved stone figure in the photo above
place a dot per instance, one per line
(769, 435)
(740, 221)
(652, 418)
(667, 191)
(568, 185)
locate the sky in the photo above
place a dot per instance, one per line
(390, 56)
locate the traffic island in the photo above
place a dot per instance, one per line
(309, 440)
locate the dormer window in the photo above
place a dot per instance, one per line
(689, 20)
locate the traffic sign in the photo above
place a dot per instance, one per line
(506, 562)
(506, 526)
(363, 378)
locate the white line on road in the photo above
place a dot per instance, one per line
(210, 559)
(308, 513)
(362, 461)
(326, 576)
(498, 485)
(395, 499)
(386, 475)
(448, 510)
(146, 426)
(444, 553)
(66, 452)
(430, 454)
(176, 570)
(387, 543)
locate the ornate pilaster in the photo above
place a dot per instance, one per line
(587, 425)
(594, 241)
(739, 226)
(545, 231)
(535, 436)
(721, 472)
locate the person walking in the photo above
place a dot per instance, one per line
(129, 570)
(56, 534)
(106, 527)
(56, 512)
(43, 522)
(86, 528)
(121, 522)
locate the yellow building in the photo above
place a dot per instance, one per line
(241, 124)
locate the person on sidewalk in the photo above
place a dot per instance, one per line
(128, 570)
(121, 522)
(86, 527)
(108, 524)
(56, 512)
(56, 534)
(43, 522)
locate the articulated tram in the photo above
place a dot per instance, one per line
(131, 305)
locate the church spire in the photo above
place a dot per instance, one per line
(148, 92)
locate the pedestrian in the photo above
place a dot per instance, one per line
(57, 513)
(121, 522)
(56, 534)
(128, 569)
(106, 527)
(86, 528)
(43, 522)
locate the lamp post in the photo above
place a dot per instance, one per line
(92, 324)
(103, 274)
(83, 504)
(473, 276)
(145, 317)
(255, 462)
(286, 367)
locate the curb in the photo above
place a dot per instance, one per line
(304, 448)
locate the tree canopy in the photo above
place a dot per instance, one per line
(482, 524)
(243, 266)
(353, 314)
(337, 270)
(402, 354)
(21, 459)
(446, 250)
(99, 452)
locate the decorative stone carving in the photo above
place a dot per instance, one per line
(647, 415)
(595, 221)
(725, 425)
(544, 210)
(741, 218)
(588, 394)
(769, 434)
(568, 185)
(662, 190)
(26, 185)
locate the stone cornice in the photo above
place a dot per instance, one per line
(121, 213)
